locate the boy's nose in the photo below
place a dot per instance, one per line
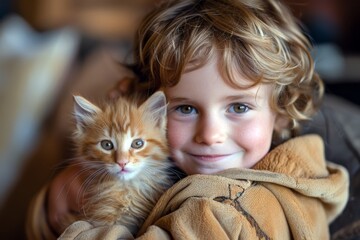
(209, 132)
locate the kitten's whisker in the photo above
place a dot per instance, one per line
(72, 182)
(178, 173)
(84, 188)
(84, 169)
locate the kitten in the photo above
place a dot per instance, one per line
(125, 146)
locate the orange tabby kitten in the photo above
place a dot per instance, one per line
(125, 146)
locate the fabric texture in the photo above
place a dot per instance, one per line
(337, 123)
(291, 193)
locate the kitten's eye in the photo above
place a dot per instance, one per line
(238, 108)
(137, 143)
(107, 145)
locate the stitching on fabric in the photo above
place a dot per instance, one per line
(232, 200)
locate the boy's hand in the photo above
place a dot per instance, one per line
(65, 198)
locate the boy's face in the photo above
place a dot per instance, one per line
(213, 126)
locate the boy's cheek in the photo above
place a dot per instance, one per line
(175, 134)
(254, 137)
(180, 134)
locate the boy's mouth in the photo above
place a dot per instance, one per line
(210, 158)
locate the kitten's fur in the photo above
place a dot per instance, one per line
(131, 174)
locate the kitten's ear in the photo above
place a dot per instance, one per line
(84, 112)
(156, 106)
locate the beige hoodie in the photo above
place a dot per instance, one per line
(290, 194)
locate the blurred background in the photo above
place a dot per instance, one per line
(52, 49)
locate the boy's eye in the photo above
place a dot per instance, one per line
(186, 109)
(238, 108)
(137, 143)
(107, 145)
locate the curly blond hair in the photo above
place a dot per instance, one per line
(259, 39)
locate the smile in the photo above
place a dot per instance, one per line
(210, 158)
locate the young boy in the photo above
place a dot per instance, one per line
(239, 78)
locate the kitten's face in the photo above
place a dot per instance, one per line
(122, 138)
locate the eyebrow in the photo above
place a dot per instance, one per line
(179, 99)
(243, 96)
(228, 98)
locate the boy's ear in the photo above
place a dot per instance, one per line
(157, 107)
(281, 123)
(281, 129)
(84, 112)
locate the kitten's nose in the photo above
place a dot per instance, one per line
(122, 163)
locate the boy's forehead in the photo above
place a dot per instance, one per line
(207, 82)
(213, 66)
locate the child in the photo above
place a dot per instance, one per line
(239, 78)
